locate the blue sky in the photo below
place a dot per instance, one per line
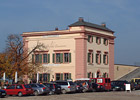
(122, 16)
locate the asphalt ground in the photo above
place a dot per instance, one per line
(117, 95)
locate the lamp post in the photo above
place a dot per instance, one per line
(15, 77)
(4, 76)
(37, 77)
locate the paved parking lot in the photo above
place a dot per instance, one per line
(134, 95)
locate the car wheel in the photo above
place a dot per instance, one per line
(84, 90)
(93, 90)
(20, 94)
(122, 89)
(108, 90)
(64, 92)
(114, 89)
(51, 93)
(35, 93)
(2, 96)
(133, 89)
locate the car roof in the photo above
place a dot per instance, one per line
(61, 81)
(119, 81)
(82, 79)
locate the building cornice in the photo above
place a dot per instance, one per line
(30, 34)
(33, 34)
(99, 34)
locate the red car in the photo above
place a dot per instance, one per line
(19, 89)
(103, 83)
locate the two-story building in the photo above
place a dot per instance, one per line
(84, 50)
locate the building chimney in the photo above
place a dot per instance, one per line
(81, 19)
(103, 24)
(56, 28)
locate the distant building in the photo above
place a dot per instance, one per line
(84, 50)
(126, 72)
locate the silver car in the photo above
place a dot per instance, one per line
(39, 89)
(67, 86)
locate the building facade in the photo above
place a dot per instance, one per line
(84, 50)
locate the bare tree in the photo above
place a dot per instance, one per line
(16, 57)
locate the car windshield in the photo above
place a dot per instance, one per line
(119, 82)
(56, 85)
(71, 83)
(27, 86)
(51, 86)
(62, 83)
(78, 83)
(46, 84)
(40, 85)
(99, 80)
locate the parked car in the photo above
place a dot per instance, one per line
(39, 89)
(66, 86)
(119, 85)
(135, 83)
(2, 93)
(135, 86)
(19, 89)
(54, 88)
(79, 87)
(103, 83)
(86, 84)
(96, 87)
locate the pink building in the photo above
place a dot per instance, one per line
(84, 50)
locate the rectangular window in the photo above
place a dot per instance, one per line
(105, 59)
(98, 40)
(19, 87)
(90, 57)
(46, 77)
(40, 77)
(98, 58)
(89, 74)
(63, 76)
(58, 76)
(11, 87)
(61, 57)
(33, 58)
(58, 58)
(90, 38)
(105, 42)
(41, 58)
(36, 58)
(92, 75)
(66, 76)
(99, 80)
(66, 57)
(45, 58)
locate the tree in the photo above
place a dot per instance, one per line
(16, 57)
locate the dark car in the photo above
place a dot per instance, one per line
(79, 87)
(54, 88)
(2, 93)
(135, 86)
(96, 87)
(119, 85)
